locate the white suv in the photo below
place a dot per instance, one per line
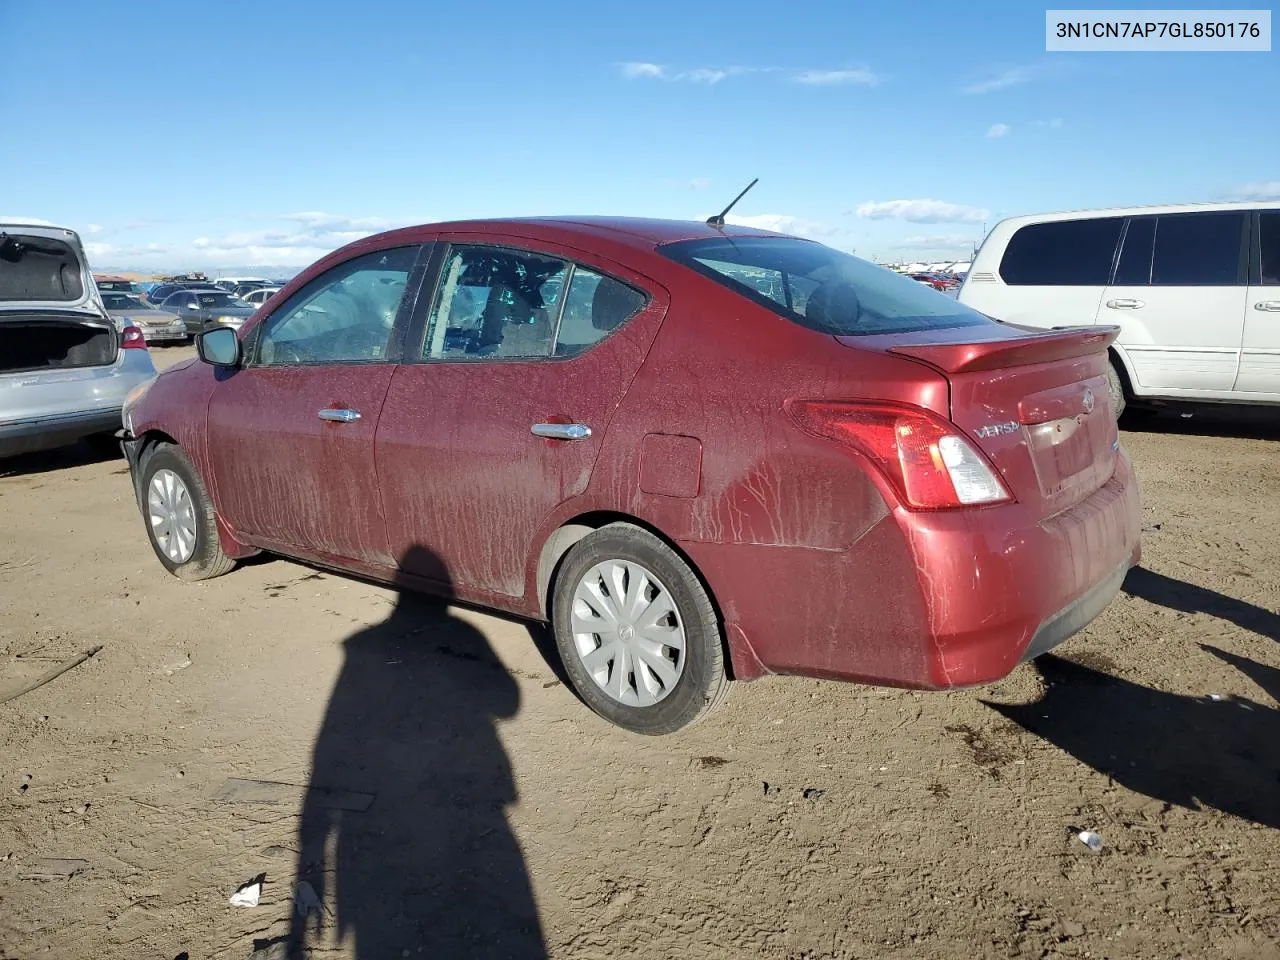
(1195, 290)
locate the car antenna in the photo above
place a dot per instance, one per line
(718, 219)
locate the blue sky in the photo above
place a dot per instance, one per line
(209, 135)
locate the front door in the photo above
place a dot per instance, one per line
(291, 434)
(519, 363)
(1178, 297)
(1260, 350)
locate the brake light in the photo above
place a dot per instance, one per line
(131, 338)
(926, 459)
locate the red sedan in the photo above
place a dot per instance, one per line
(701, 452)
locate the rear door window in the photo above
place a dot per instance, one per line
(1199, 249)
(1134, 266)
(495, 303)
(1070, 253)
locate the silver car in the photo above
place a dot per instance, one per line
(156, 325)
(65, 367)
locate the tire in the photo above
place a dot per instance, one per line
(657, 688)
(179, 493)
(1115, 386)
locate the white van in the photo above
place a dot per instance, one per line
(1194, 289)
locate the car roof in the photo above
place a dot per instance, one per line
(637, 232)
(1155, 209)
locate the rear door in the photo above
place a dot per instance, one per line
(291, 434)
(1259, 377)
(1178, 297)
(501, 406)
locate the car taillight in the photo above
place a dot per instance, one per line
(924, 457)
(131, 338)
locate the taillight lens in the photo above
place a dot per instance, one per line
(131, 338)
(926, 459)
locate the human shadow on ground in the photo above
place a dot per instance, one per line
(431, 867)
(1179, 595)
(1193, 751)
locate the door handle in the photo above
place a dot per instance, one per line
(339, 416)
(1125, 304)
(1271, 306)
(561, 431)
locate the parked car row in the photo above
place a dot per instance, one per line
(176, 308)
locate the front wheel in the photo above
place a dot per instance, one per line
(179, 516)
(636, 631)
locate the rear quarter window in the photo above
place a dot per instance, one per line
(1066, 253)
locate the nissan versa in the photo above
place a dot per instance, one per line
(702, 452)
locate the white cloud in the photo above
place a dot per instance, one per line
(101, 254)
(921, 211)
(1013, 77)
(783, 223)
(998, 130)
(1265, 190)
(635, 69)
(306, 237)
(706, 75)
(1053, 124)
(828, 78)
(90, 229)
(946, 241)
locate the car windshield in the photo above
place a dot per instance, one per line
(122, 301)
(821, 288)
(218, 300)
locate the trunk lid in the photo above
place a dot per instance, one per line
(54, 327)
(1034, 402)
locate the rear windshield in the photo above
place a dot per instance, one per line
(821, 288)
(218, 300)
(36, 268)
(121, 301)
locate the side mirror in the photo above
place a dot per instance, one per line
(219, 346)
(192, 306)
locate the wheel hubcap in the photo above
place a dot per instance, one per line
(172, 516)
(628, 633)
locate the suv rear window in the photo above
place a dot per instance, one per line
(821, 288)
(1062, 253)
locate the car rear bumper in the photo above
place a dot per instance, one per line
(927, 600)
(46, 433)
(41, 410)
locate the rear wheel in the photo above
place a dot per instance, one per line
(179, 516)
(636, 631)
(1115, 386)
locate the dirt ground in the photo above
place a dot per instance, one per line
(464, 803)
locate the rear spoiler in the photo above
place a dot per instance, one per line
(1041, 347)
